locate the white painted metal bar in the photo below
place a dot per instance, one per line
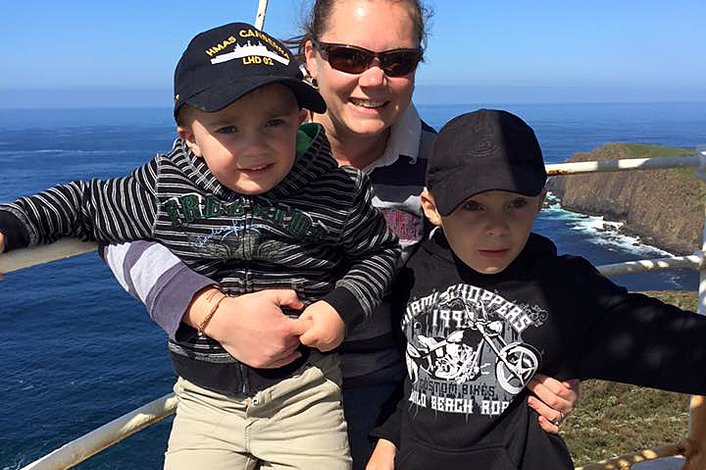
(695, 161)
(702, 278)
(660, 264)
(65, 248)
(260, 16)
(84, 447)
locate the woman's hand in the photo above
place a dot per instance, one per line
(554, 400)
(252, 327)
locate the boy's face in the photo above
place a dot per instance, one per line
(250, 145)
(488, 230)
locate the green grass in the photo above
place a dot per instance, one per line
(614, 419)
(649, 151)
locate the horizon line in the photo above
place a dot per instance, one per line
(64, 107)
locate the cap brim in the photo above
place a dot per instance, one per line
(447, 200)
(307, 96)
(218, 97)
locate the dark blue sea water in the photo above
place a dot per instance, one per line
(79, 352)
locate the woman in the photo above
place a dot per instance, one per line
(362, 54)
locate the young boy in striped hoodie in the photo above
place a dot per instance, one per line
(253, 199)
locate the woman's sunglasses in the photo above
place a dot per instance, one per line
(354, 59)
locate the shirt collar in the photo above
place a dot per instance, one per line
(404, 139)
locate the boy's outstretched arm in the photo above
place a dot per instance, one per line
(631, 338)
(116, 209)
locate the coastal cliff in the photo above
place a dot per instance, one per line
(663, 207)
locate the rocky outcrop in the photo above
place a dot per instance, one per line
(665, 208)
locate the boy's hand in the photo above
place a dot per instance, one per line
(252, 327)
(324, 328)
(554, 400)
(383, 456)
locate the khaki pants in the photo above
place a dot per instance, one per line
(295, 424)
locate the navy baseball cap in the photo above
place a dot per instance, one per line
(482, 151)
(221, 65)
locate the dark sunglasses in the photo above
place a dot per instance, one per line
(354, 59)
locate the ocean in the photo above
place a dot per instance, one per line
(80, 352)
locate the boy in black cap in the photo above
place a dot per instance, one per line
(251, 199)
(487, 304)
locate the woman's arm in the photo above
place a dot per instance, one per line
(174, 295)
(161, 281)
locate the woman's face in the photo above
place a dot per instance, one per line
(368, 103)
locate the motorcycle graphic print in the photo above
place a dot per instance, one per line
(465, 352)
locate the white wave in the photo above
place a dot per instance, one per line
(603, 232)
(20, 462)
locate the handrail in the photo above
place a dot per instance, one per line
(626, 461)
(62, 249)
(694, 261)
(86, 446)
(653, 163)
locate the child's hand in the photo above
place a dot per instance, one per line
(325, 329)
(252, 327)
(383, 457)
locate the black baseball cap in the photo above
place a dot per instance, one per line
(221, 65)
(482, 151)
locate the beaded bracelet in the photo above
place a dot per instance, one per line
(207, 319)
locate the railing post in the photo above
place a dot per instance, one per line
(696, 440)
(260, 15)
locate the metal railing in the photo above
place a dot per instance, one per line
(88, 445)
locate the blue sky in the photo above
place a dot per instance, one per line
(123, 52)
